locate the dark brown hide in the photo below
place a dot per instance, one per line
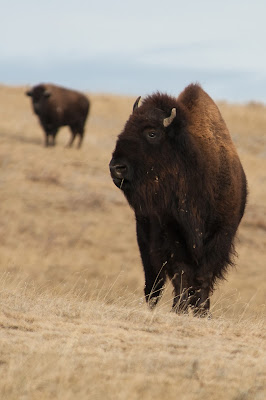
(56, 107)
(188, 189)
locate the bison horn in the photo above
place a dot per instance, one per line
(136, 104)
(169, 120)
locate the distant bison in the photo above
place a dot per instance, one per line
(56, 107)
(180, 172)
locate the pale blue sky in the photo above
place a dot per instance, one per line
(137, 47)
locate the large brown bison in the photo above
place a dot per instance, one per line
(180, 172)
(56, 107)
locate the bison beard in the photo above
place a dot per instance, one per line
(179, 170)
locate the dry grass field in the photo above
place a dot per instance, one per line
(73, 323)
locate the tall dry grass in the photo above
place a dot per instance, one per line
(64, 346)
(73, 323)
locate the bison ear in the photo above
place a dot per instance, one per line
(47, 93)
(136, 104)
(167, 121)
(29, 92)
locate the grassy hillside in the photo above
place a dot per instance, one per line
(72, 322)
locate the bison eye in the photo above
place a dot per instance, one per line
(152, 136)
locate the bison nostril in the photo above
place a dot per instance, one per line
(119, 171)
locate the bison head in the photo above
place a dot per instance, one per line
(146, 160)
(39, 94)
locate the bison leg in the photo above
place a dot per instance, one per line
(198, 301)
(53, 138)
(190, 293)
(74, 133)
(50, 133)
(49, 142)
(182, 286)
(154, 285)
(80, 140)
(80, 131)
(76, 130)
(154, 276)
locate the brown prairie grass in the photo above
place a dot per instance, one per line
(73, 323)
(61, 346)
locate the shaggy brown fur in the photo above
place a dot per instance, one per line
(188, 189)
(56, 107)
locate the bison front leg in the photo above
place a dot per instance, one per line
(154, 277)
(190, 293)
(154, 285)
(50, 133)
(198, 301)
(54, 138)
